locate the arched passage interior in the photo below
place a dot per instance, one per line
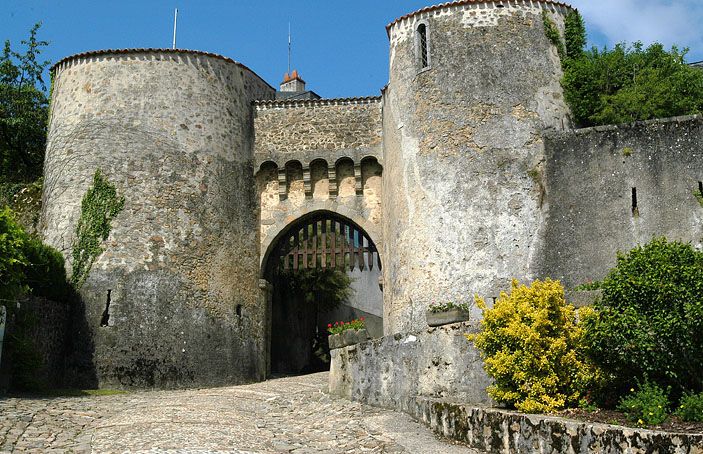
(309, 265)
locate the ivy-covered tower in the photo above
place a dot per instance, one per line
(172, 298)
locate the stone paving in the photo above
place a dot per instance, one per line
(293, 414)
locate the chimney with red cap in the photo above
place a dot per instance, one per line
(292, 83)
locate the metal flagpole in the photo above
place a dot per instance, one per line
(175, 21)
(288, 47)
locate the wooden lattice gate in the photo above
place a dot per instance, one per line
(326, 241)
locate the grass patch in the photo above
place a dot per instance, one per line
(77, 392)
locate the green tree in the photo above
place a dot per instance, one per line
(630, 83)
(12, 257)
(626, 83)
(649, 323)
(325, 288)
(23, 110)
(574, 35)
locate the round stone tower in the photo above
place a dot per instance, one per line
(173, 300)
(472, 86)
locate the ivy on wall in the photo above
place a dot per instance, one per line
(553, 35)
(99, 207)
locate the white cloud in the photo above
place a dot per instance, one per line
(665, 21)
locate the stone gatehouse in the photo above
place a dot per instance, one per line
(463, 174)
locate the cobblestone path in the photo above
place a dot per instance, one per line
(284, 415)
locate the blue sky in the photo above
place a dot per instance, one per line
(339, 47)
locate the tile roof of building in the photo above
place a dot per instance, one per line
(464, 2)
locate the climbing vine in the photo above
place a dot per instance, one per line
(552, 33)
(99, 207)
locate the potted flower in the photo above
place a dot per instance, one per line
(439, 314)
(347, 333)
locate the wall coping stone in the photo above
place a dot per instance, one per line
(461, 3)
(555, 134)
(498, 430)
(293, 103)
(132, 51)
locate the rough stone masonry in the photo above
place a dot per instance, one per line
(465, 173)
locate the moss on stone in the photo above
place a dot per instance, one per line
(699, 196)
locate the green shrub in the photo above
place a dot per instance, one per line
(448, 306)
(530, 342)
(12, 256)
(28, 265)
(649, 322)
(45, 273)
(691, 407)
(647, 406)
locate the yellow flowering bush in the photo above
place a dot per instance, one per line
(530, 342)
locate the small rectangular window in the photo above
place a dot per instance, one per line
(422, 45)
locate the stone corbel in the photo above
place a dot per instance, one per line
(357, 179)
(332, 175)
(307, 182)
(282, 184)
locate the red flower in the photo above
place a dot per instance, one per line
(362, 319)
(329, 325)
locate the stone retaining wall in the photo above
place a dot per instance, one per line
(426, 373)
(42, 327)
(500, 431)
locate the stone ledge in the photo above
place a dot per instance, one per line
(495, 430)
(625, 126)
(388, 372)
(264, 104)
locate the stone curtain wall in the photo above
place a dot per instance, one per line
(173, 131)
(463, 153)
(45, 327)
(284, 129)
(318, 155)
(590, 176)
